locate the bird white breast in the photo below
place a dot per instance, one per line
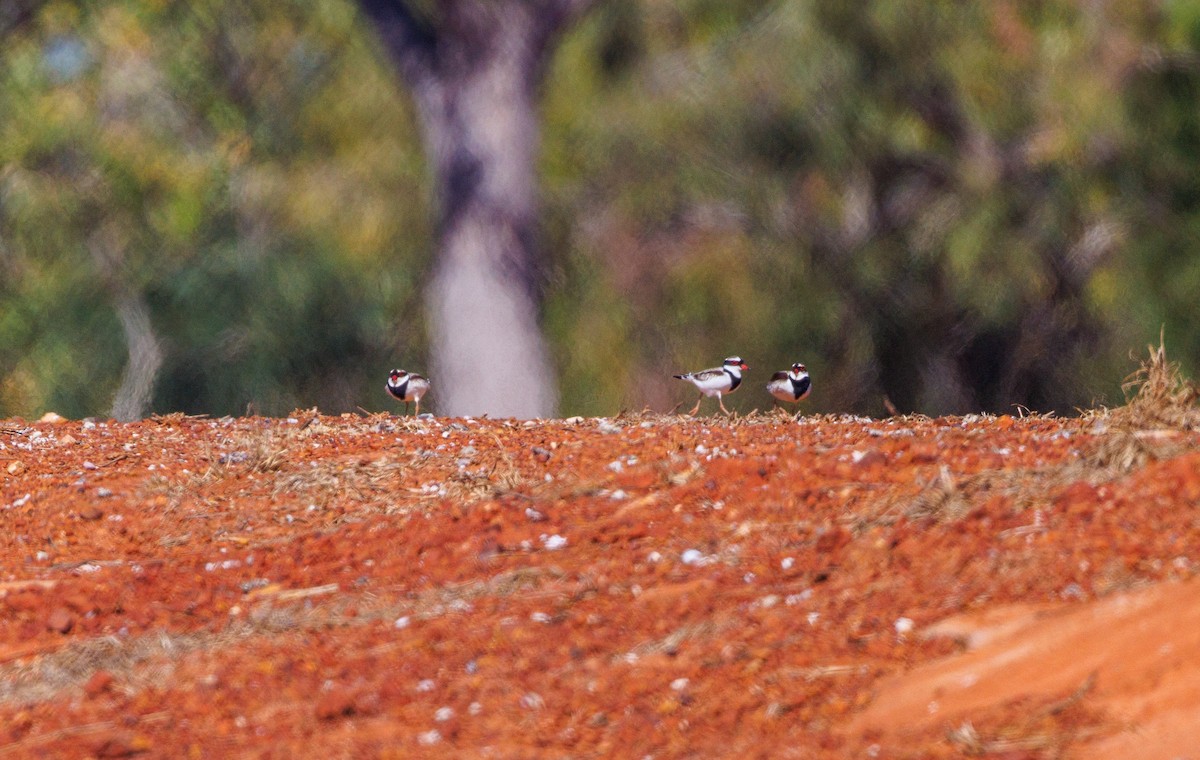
(711, 382)
(781, 389)
(417, 389)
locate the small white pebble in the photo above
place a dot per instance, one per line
(429, 738)
(402, 622)
(813, 617)
(692, 557)
(425, 685)
(532, 701)
(654, 557)
(903, 626)
(768, 601)
(554, 542)
(679, 684)
(787, 562)
(1072, 591)
(89, 466)
(443, 714)
(474, 708)
(539, 617)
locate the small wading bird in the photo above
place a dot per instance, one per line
(715, 381)
(407, 387)
(791, 386)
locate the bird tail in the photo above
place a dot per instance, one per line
(679, 377)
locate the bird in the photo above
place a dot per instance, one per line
(407, 387)
(715, 381)
(791, 386)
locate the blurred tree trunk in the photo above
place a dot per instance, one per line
(136, 391)
(474, 67)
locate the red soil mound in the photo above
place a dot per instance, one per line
(630, 586)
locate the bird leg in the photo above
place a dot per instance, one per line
(406, 408)
(696, 408)
(418, 412)
(722, 403)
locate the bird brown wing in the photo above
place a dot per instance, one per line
(709, 374)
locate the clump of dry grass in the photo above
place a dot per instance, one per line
(1161, 408)
(1164, 398)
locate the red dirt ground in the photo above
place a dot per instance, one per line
(634, 586)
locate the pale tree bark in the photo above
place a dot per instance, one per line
(474, 68)
(136, 391)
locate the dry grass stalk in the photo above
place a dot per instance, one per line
(1038, 732)
(671, 642)
(1160, 410)
(1164, 398)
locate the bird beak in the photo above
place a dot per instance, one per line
(745, 365)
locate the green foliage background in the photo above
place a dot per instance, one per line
(953, 205)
